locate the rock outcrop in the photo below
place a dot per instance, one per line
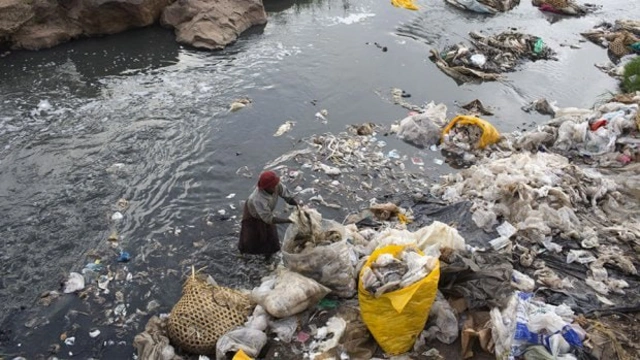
(208, 24)
(212, 24)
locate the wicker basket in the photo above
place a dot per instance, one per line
(204, 313)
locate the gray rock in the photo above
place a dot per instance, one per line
(212, 24)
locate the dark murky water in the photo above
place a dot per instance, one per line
(137, 116)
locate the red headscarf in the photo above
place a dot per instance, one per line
(268, 179)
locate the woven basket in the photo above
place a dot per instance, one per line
(204, 313)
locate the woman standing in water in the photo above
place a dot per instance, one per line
(259, 234)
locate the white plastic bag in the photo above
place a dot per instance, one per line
(251, 341)
(288, 293)
(424, 129)
(284, 328)
(438, 234)
(331, 265)
(444, 320)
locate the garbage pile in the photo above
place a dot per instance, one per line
(318, 249)
(463, 138)
(620, 38)
(389, 273)
(489, 56)
(522, 255)
(346, 165)
(484, 6)
(605, 136)
(565, 7)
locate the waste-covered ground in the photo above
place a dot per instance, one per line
(102, 319)
(552, 211)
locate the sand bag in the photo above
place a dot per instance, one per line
(288, 293)
(204, 313)
(489, 136)
(325, 257)
(396, 318)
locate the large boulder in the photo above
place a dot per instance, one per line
(38, 24)
(98, 17)
(212, 24)
(49, 26)
(13, 14)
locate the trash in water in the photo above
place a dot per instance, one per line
(407, 4)
(467, 132)
(94, 333)
(231, 196)
(286, 127)
(484, 6)
(365, 129)
(393, 154)
(124, 257)
(565, 7)
(423, 129)
(617, 37)
(322, 115)
(122, 204)
(239, 104)
(502, 53)
(70, 341)
(438, 161)
(478, 60)
(244, 172)
(74, 283)
(117, 216)
(477, 107)
(417, 161)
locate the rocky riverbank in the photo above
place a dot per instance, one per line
(206, 24)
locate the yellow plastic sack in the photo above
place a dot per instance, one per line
(241, 355)
(395, 319)
(407, 4)
(490, 134)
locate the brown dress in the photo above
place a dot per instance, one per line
(256, 236)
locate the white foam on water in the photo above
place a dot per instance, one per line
(350, 19)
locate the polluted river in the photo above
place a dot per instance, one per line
(124, 147)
